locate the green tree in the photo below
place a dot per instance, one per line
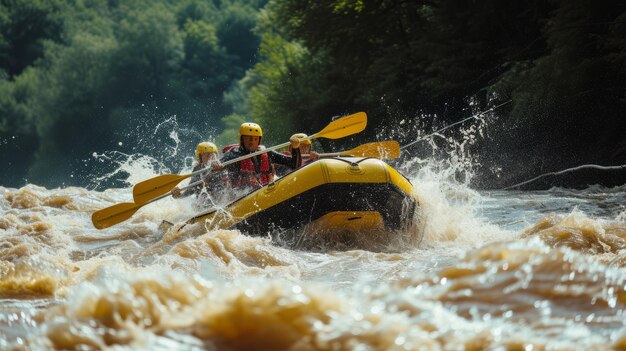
(235, 31)
(230, 134)
(15, 112)
(150, 51)
(89, 67)
(280, 89)
(18, 140)
(207, 68)
(67, 124)
(195, 10)
(24, 25)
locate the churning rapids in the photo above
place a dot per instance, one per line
(504, 270)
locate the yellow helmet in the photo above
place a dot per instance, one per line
(205, 147)
(302, 136)
(251, 129)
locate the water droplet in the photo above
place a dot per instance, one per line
(297, 289)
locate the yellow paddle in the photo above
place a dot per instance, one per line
(115, 214)
(379, 149)
(159, 187)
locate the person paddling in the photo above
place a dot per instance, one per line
(256, 171)
(206, 152)
(305, 149)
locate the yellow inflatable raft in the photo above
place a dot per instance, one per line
(331, 194)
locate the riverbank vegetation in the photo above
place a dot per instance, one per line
(78, 77)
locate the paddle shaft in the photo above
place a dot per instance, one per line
(237, 160)
(339, 128)
(208, 169)
(379, 149)
(256, 153)
(333, 154)
(190, 185)
(160, 186)
(170, 193)
(163, 196)
(383, 145)
(243, 158)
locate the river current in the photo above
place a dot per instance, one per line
(485, 270)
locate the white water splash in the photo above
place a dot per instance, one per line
(160, 151)
(131, 168)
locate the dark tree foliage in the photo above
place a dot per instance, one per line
(24, 25)
(234, 31)
(561, 63)
(399, 58)
(568, 103)
(78, 77)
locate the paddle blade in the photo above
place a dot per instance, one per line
(381, 149)
(113, 215)
(155, 187)
(343, 126)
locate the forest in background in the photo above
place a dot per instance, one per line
(78, 77)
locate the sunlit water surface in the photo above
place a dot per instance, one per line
(499, 270)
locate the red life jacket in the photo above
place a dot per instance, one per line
(248, 176)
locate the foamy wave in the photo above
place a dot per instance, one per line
(579, 232)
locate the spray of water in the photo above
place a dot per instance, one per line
(129, 169)
(441, 179)
(442, 176)
(168, 148)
